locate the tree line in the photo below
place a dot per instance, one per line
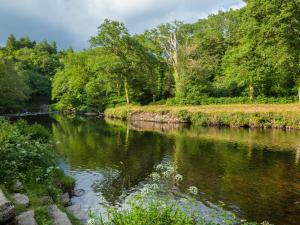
(26, 69)
(249, 53)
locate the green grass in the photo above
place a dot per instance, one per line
(286, 116)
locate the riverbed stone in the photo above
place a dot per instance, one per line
(7, 210)
(65, 198)
(59, 217)
(79, 213)
(21, 199)
(26, 218)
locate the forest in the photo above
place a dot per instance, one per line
(239, 56)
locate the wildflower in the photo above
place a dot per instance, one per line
(155, 176)
(91, 222)
(159, 167)
(166, 174)
(154, 187)
(145, 191)
(193, 190)
(265, 223)
(178, 177)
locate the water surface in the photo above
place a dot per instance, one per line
(256, 173)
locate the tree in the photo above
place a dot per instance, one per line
(266, 59)
(13, 89)
(114, 38)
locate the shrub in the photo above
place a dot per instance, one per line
(25, 152)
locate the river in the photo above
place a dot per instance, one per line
(255, 173)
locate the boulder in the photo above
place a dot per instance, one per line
(58, 217)
(7, 210)
(26, 218)
(65, 198)
(21, 199)
(79, 213)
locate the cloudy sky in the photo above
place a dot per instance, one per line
(72, 22)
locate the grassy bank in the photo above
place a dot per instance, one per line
(29, 166)
(286, 116)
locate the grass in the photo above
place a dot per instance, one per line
(236, 115)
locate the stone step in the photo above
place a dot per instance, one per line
(26, 218)
(58, 217)
(7, 210)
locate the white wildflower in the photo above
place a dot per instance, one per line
(159, 167)
(91, 222)
(193, 190)
(178, 178)
(155, 176)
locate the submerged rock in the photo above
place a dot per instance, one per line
(26, 218)
(7, 210)
(79, 213)
(21, 199)
(79, 192)
(59, 217)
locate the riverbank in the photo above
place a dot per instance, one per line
(284, 116)
(33, 189)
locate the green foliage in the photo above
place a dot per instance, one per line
(240, 56)
(25, 152)
(13, 84)
(26, 68)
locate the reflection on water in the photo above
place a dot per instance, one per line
(254, 172)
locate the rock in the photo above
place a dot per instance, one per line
(79, 213)
(65, 198)
(79, 192)
(21, 199)
(7, 210)
(18, 186)
(26, 218)
(59, 217)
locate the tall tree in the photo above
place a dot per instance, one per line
(266, 59)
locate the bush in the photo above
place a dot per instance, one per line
(231, 100)
(25, 152)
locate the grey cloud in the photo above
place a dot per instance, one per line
(72, 22)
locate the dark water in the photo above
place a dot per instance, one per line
(256, 173)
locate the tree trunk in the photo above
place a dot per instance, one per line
(251, 93)
(177, 83)
(299, 93)
(126, 91)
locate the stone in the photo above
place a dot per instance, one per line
(26, 218)
(7, 210)
(65, 198)
(58, 217)
(79, 192)
(79, 213)
(18, 186)
(21, 199)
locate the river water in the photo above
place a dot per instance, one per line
(255, 173)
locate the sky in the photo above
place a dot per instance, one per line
(73, 22)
